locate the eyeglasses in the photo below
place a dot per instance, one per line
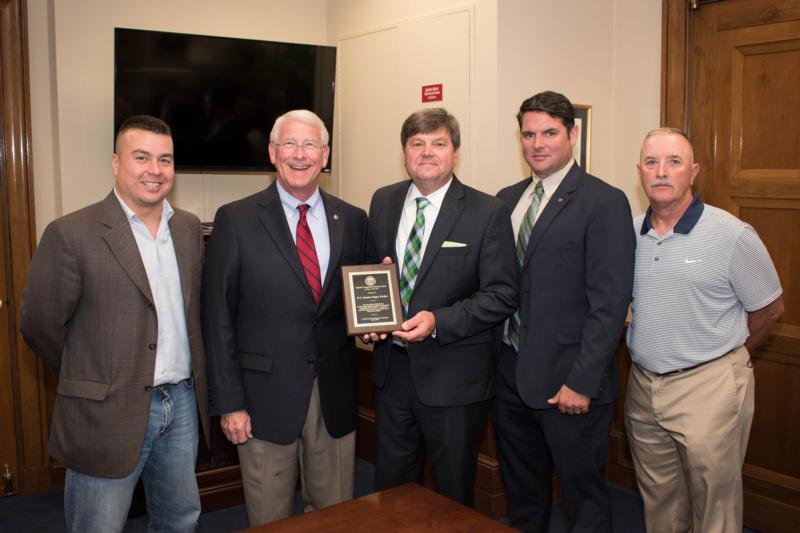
(290, 145)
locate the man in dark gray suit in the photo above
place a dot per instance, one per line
(557, 370)
(112, 305)
(455, 250)
(281, 367)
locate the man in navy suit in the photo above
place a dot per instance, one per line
(557, 370)
(282, 371)
(455, 250)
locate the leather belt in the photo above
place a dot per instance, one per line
(400, 348)
(687, 369)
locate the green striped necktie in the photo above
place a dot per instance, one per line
(524, 236)
(411, 257)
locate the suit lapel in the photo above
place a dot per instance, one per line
(335, 234)
(394, 211)
(513, 195)
(451, 209)
(123, 245)
(561, 197)
(272, 217)
(182, 241)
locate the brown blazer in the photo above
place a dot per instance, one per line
(87, 310)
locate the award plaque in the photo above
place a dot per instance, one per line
(371, 296)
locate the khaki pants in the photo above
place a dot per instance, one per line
(269, 471)
(688, 436)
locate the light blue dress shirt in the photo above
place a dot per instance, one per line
(317, 222)
(173, 359)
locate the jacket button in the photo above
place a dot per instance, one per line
(310, 361)
(148, 388)
(152, 346)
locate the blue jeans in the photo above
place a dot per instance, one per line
(166, 465)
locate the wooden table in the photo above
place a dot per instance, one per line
(408, 507)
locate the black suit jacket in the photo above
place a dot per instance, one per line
(263, 330)
(575, 287)
(469, 289)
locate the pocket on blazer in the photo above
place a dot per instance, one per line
(81, 388)
(254, 361)
(569, 335)
(461, 250)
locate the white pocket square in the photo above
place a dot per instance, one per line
(451, 244)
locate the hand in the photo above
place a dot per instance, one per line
(236, 427)
(417, 328)
(375, 337)
(570, 402)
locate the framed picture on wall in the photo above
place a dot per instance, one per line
(582, 150)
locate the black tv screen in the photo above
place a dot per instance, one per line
(219, 95)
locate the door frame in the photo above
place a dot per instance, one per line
(28, 376)
(675, 73)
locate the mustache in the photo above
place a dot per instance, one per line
(662, 182)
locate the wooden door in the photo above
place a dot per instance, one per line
(732, 80)
(26, 388)
(8, 443)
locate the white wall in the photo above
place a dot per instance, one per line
(349, 18)
(600, 52)
(637, 87)
(605, 53)
(72, 62)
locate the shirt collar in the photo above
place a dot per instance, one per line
(435, 198)
(290, 203)
(687, 221)
(166, 210)
(551, 182)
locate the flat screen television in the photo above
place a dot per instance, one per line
(219, 95)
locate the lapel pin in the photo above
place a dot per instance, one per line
(335, 216)
(560, 199)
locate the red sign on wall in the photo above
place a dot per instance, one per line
(432, 93)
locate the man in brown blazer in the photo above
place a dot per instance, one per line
(112, 305)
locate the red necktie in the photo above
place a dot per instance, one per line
(308, 253)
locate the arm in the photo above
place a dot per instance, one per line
(497, 295)
(220, 295)
(51, 296)
(609, 260)
(760, 322)
(755, 282)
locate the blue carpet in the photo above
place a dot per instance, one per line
(44, 513)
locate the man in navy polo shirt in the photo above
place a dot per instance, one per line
(705, 294)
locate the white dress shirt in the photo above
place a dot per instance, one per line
(410, 215)
(549, 184)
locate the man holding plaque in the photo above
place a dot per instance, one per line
(454, 249)
(282, 370)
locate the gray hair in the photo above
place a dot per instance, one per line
(669, 131)
(666, 129)
(301, 115)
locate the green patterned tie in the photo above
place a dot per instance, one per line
(524, 236)
(411, 257)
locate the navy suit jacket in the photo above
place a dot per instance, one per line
(264, 332)
(575, 286)
(470, 290)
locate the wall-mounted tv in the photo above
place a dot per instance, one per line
(219, 95)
